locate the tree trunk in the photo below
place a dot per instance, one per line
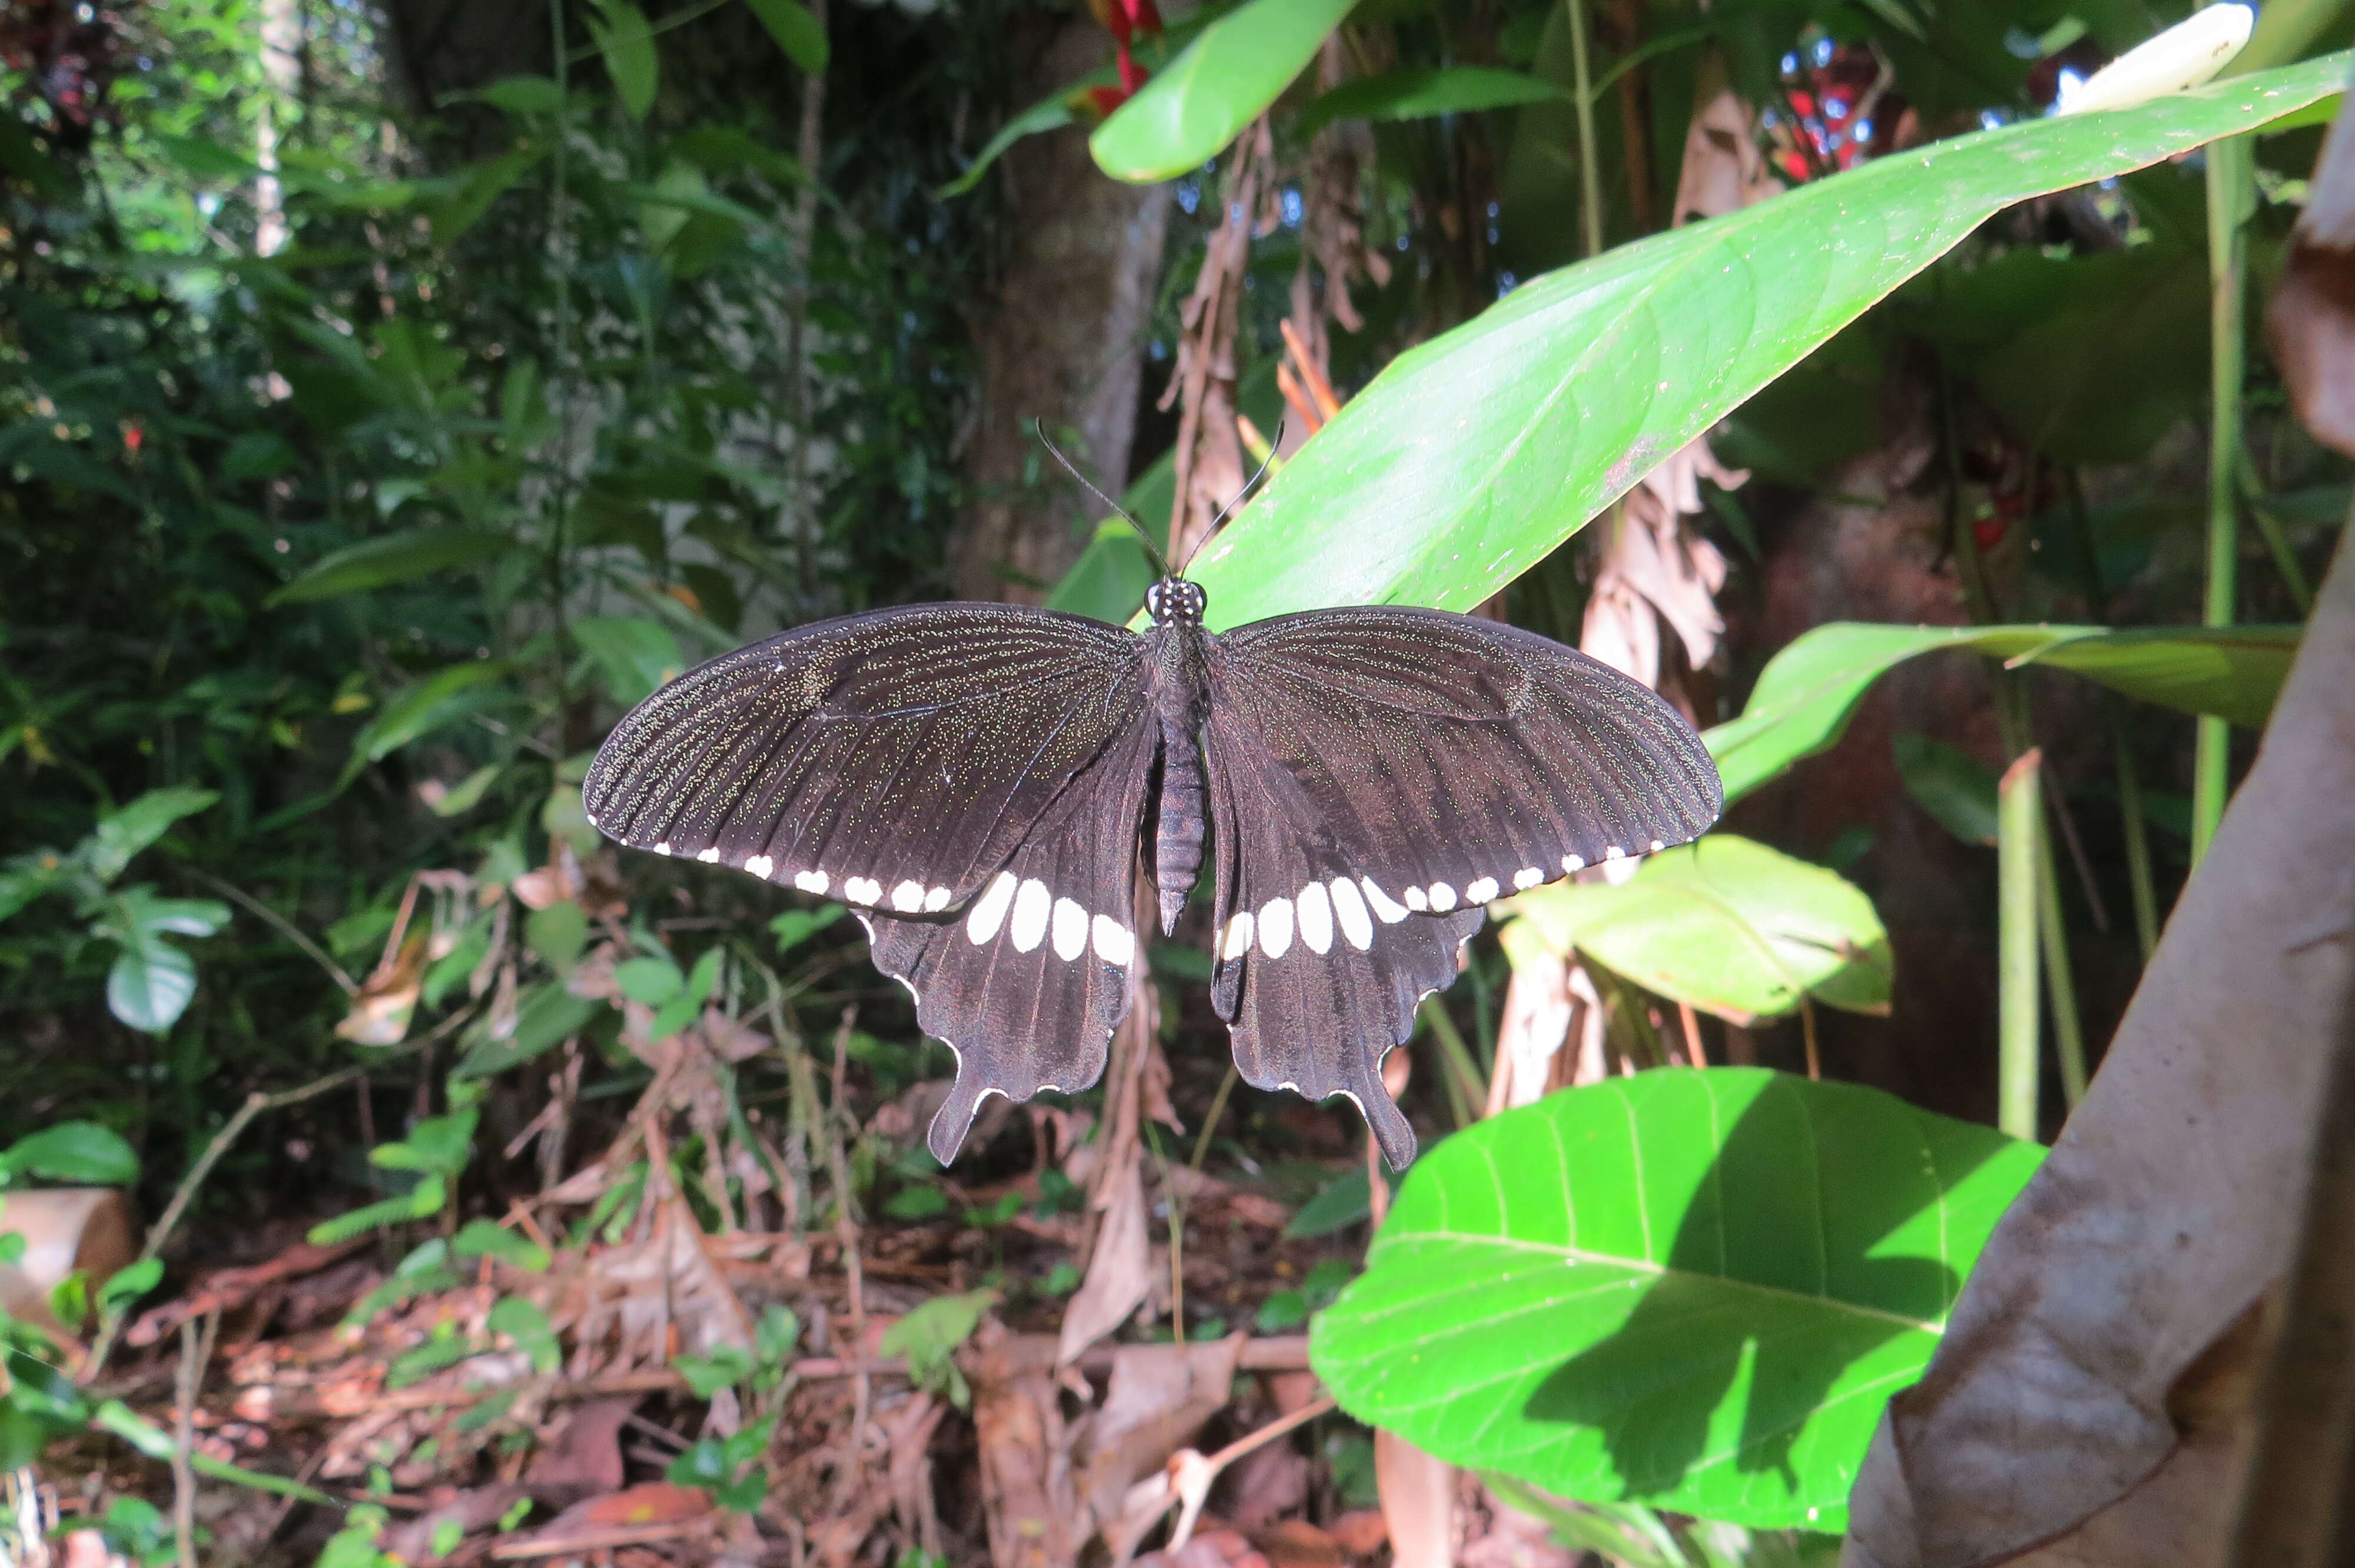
(1062, 343)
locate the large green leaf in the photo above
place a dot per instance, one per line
(73, 1151)
(627, 42)
(1471, 456)
(123, 834)
(1109, 580)
(1419, 95)
(1223, 81)
(1729, 926)
(797, 30)
(150, 981)
(395, 558)
(442, 697)
(1695, 1289)
(1805, 693)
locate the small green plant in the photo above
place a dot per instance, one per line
(929, 1337)
(151, 980)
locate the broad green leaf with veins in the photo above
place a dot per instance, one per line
(1470, 458)
(1691, 1290)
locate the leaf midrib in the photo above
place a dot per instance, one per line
(1643, 1265)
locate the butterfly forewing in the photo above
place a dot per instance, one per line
(892, 760)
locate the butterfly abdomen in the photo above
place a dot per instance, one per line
(1181, 821)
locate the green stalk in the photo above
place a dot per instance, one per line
(2019, 817)
(2231, 180)
(2060, 984)
(1466, 1092)
(1589, 187)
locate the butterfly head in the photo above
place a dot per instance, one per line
(1174, 601)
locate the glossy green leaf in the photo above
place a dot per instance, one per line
(1419, 95)
(1729, 926)
(419, 1202)
(1048, 114)
(1472, 457)
(796, 926)
(121, 834)
(1957, 789)
(1690, 1290)
(628, 45)
(80, 1151)
(1191, 109)
(395, 558)
(799, 33)
(653, 982)
(1805, 695)
(546, 1016)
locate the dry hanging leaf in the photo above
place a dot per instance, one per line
(2160, 1215)
(1158, 1399)
(2312, 323)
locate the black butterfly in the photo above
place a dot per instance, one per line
(975, 779)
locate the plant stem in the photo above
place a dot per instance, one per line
(561, 498)
(2019, 816)
(1210, 1119)
(2229, 178)
(1590, 189)
(2060, 984)
(1464, 1090)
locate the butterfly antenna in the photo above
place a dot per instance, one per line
(1264, 465)
(1038, 426)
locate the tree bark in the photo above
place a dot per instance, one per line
(1063, 342)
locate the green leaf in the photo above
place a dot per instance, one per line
(420, 1202)
(442, 697)
(916, 1204)
(26, 878)
(929, 1337)
(556, 934)
(439, 1143)
(801, 35)
(1419, 95)
(796, 926)
(1340, 1204)
(526, 1325)
(635, 654)
(394, 558)
(80, 1151)
(725, 1367)
(650, 980)
(117, 1417)
(1805, 695)
(482, 1238)
(545, 1017)
(121, 834)
(128, 1284)
(516, 95)
(1470, 458)
(150, 981)
(1958, 790)
(1191, 107)
(1109, 580)
(1691, 1290)
(468, 792)
(628, 45)
(1048, 114)
(1729, 926)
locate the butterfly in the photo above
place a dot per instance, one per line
(983, 784)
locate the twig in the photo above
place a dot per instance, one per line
(846, 1226)
(285, 927)
(1694, 1054)
(1808, 1029)
(1205, 1471)
(255, 1104)
(195, 1350)
(1210, 1119)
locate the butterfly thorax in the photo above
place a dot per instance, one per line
(1177, 664)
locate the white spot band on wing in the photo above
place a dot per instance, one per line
(1031, 904)
(989, 909)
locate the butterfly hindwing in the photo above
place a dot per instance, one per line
(1027, 983)
(1455, 759)
(892, 760)
(1316, 971)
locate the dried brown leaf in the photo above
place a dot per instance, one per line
(1418, 1503)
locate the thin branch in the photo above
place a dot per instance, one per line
(285, 927)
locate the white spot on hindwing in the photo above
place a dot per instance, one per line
(1315, 909)
(1417, 899)
(1481, 891)
(937, 899)
(1573, 863)
(811, 881)
(1389, 908)
(1275, 927)
(1615, 853)
(1658, 844)
(1350, 911)
(909, 895)
(663, 848)
(1115, 944)
(1528, 877)
(1442, 897)
(710, 856)
(1032, 903)
(989, 909)
(862, 890)
(760, 865)
(1238, 937)
(1070, 930)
